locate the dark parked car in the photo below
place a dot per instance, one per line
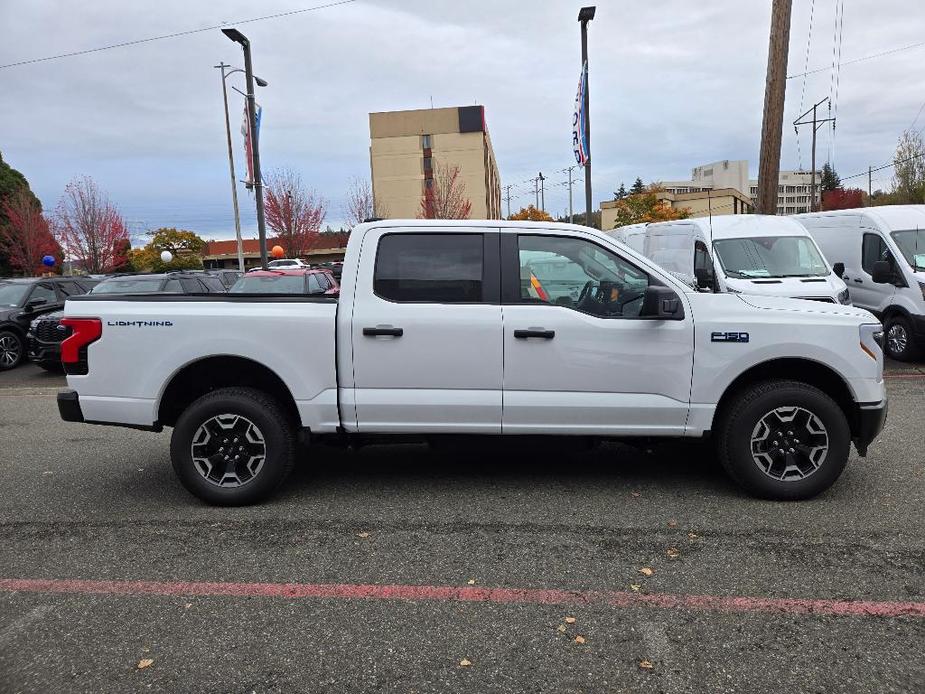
(46, 332)
(22, 301)
(287, 281)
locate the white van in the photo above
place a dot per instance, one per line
(750, 254)
(880, 243)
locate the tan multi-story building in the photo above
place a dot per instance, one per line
(703, 203)
(794, 191)
(406, 147)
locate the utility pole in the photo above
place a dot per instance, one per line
(507, 196)
(798, 122)
(869, 181)
(536, 192)
(241, 39)
(542, 191)
(234, 186)
(585, 15)
(571, 216)
(773, 118)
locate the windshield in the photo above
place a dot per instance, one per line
(912, 245)
(278, 284)
(12, 294)
(136, 285)
(770, 256)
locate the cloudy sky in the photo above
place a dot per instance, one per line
(673, 84)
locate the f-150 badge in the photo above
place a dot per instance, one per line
(728, 337)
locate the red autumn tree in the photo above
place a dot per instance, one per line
(842, 199)
(445, 197)
(293, 212)
(25, 237)
(89, 227)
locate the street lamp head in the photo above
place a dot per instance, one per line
(586, 14)
(260, 82)
(235, 36)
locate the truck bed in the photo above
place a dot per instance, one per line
(293, 336)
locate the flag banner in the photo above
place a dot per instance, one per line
(248, 148)
(579, 142)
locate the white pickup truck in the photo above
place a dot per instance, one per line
(480, 328)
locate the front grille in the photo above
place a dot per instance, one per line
(47, 331)
(823, 299)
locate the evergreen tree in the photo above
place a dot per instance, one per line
(829, 179)
(621, 193)
(638, 187)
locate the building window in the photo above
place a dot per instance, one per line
(425, 142)
(428, 164)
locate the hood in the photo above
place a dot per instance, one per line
(54, 315)
(775, 303)
(829, 286)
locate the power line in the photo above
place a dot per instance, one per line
(809, 39)
(885, 166)
(176, 34)
(860, 60)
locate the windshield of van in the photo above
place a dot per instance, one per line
(911, 244)
(770, 256)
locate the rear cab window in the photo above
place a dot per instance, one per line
(442, 268)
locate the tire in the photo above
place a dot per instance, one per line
(12, 349)
(800, 419)
(899, 339)
(252, 425)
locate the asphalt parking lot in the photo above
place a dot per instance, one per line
(412, 570)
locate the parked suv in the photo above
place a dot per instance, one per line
(23, 300)
(287, 281)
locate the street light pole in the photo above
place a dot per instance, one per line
(240, 38)
(585, 15)
(234, 186)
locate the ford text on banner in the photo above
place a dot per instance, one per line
(579, 142)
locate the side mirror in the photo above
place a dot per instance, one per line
(661, 303)
(33, 304)
(882, 272)
(704, 278)
(838, 269)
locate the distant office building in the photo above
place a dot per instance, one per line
(702, 203)
(793, 189)
(407, 146)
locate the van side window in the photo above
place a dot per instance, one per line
(431, 268)
(580, 275)
(873, 248)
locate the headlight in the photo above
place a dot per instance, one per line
(844, 297)
(34, 324)
(872, 341)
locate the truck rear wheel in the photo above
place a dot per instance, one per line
(233, 446)
(783, 440)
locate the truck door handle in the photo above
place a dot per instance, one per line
(535, 332)
(383, 330)
(858, 280)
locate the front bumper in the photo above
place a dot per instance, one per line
(43, 351)
(69, 406)
(868, 423)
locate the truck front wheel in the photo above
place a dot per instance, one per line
(233, 446)
(783, 440)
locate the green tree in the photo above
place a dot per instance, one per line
(638, 187)
(579, 218)
(646, 207)
(829, 180)
(185, 247)
(620, 193)
(909, 170)
(11, 182)
(530, 213)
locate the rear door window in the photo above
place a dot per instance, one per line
(430, 268)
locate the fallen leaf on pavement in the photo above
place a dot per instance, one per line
(465, 662)
(635, 587)
(471, 582)
(672, 552)
(646, 571)
(693, 536)
(189, 605)
(561, 628)
(635, 495)
(363, 534)
(646, 664)
(672, 523)
(569, 620)
(145, 662)
(579, 639)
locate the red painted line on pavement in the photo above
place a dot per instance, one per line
(533, 596)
